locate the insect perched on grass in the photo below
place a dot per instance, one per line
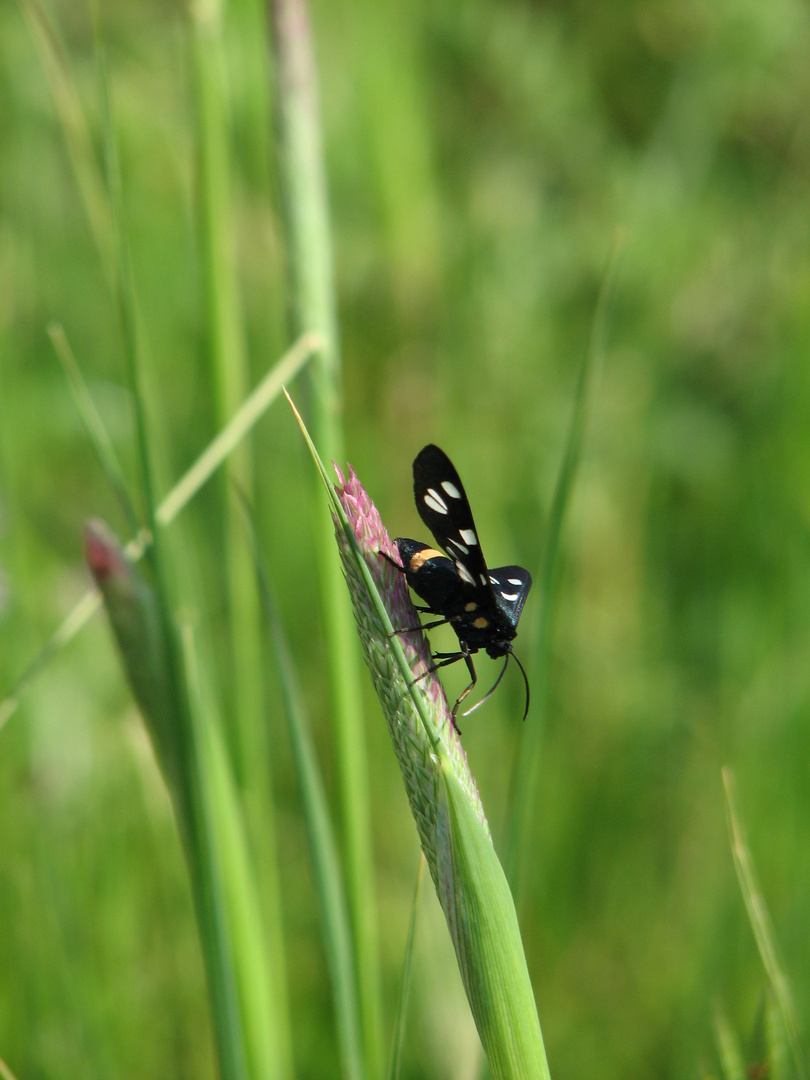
(483, 606)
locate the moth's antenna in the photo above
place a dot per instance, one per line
(525, 679)
(497, 683)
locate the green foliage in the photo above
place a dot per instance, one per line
(479, 158)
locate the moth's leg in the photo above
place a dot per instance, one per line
(465, 652)
(422, 626)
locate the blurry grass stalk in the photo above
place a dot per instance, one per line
(259, 975)
(527, 760)
(732, 1062)
(760, 920)
(5, 1071)
(228, 385)
(313, 305)
(154, 658)
(778, 1055)
(400, 1021)
(248, 1006)
(320, 835)
(88, 176)
(252, 409)
(94, 425)
(453, 831)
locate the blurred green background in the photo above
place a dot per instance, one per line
(481, 156)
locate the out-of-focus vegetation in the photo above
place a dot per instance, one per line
(480, 157)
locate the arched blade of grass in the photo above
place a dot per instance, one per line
(93, 424)
(260, 979)
(248, 1006)
(729, 1051)
(398, 1041)
(313, 305)
(761, 922)
(227, 383)
(450, 820)
(527, 758)
(153, 667)
(322, 844)
(5, 1071)
(142, 619)
(776, 1044)
(77, 136)
(180, 495)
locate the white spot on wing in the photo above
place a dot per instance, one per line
(435, 501)
(510, 596)
(468, 536)
(514, 581)
(484, 579)
(494, 580)
(464, 573)
(451, 489)
(457, 544)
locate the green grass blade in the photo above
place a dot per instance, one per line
(152, 664)
(527, 759)
(760, 919)
(77, 136)
(229, 379)
(259, 979)
(303, 190)
(776, 1044)
(322, 844)
(5, 1071)
(94, 425)
(398, 1042)
(177, 498)
(71, 625)
(127, 307)
(245, 418)
(178, 727)
(732, 1063)
(483, 924)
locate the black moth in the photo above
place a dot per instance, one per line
(483, 606)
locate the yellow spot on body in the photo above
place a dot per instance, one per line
(471, 606)
(419, 558)
(481, 623)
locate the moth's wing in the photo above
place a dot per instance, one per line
(510, 586)
(443, 506)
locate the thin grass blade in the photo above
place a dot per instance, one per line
(527, 758)
(260, 980)
(777, 1060)
(303, 189)
(761, 923)
(322, 843)
(5, 1071)
(228, 383)
(180, 495)
(158, 685)
(401, 1017)
(729, 1050)
(93, 424)
(77, 135)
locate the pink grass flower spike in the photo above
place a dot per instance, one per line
(411, 743)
